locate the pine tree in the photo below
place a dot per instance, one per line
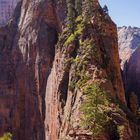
(71, 14)
(105, 9)
(95, 109)
(78, 6)
(89, 7)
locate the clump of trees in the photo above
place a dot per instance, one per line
(76, 8)
(95, 109)
(71, 14)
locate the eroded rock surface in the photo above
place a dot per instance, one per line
(41, 86)
(27, 52)
(6, 10)
(129, 42)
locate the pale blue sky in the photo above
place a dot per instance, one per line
(124, 12)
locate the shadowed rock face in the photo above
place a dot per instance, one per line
(27, 53)
(35, 74)
(129, 42)
(6, 10)
(131, 73)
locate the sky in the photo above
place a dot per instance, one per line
(124, 12)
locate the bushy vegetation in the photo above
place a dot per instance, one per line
(70, 39)
(79, 27)
(71, 15)
(89, 53)
(95, 108)
(7, 136)
(76, 19)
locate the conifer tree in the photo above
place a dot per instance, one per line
(71, 14)
(105, 9)
(78, 6)
(89, 8)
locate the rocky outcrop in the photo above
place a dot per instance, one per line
(46, 70)
(63, 97)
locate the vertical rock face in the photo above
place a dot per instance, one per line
(43, 70)
(8, 84)
(63, 103)
(27, 52)
(131, 75)
(129, 42)
(6, 10)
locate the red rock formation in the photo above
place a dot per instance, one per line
(35, 72)
(62, 106)
(27, 61)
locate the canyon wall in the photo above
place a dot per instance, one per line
(6, 10)
(129, 43)
(45, 70)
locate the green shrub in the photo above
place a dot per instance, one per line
(7, 136)
(79, 26)
(70, 39)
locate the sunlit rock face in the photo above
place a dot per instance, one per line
(129, 41)
(6, 10)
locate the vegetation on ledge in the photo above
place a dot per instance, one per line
(95, 108)
(7, 136)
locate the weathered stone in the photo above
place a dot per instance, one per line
(37, 103)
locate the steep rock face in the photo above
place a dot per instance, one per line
(42, 74)
(131, 75)
(129, 42)
(26, 61)
(8, 85)
(6, 10)
(63, 103)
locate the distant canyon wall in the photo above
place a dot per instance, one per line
(6, 10)
(129, 50)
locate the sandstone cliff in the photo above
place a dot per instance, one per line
(48, 70)
(129, 42)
